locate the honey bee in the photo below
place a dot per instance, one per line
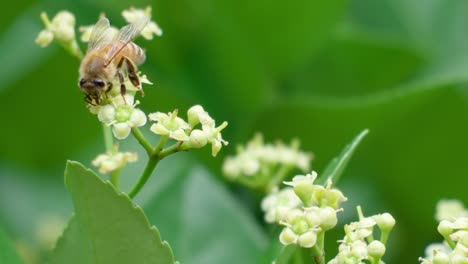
(106, 58)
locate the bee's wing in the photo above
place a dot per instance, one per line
(100, 35)
(125, 36)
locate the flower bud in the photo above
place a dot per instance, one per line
(64, 18)
(44, 38)
(198, 138)
(194, 114)
(385, 222)
(445, 228)
(64, 33)
(328, 218)
(376, 249)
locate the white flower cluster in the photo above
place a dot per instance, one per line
(453, 227)
(358, 244)
(120, 113)
(314, 194)
(187, 133)
(61, 28)
(113, 161)
(132, 16)
(258, 156)
(278, 203)
(303, 224)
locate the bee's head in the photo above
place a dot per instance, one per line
(92, 84)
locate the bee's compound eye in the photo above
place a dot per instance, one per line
(99, 83)
(82, 82)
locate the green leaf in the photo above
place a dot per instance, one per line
(206, 224)
(287, 254)
(336, 167)
(107, 227)
(7, 251)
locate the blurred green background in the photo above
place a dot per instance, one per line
(320, 71)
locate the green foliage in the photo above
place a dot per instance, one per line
(7, 251)
(107, 227)
(396, 67)
(336, 166)
(205, 224)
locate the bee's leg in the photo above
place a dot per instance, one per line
(89, 100)
(132, 74)
(123, 89)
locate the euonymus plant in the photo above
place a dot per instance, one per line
(109, 227)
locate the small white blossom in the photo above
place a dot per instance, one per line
(113, 161)
(61, 27)
(256, 152)
(354, 247)
(87, 30)
(299, 229)
(450, 209)
(278, 203)
(44, 38)
(169, 125)
(197, 115)
(316, 195)
(135, 15)
(122, 115)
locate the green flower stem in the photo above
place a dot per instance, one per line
(157, 154)
(115, 179)
(384, 237)
(109, 143)
(318, 253)
(374, 260)
(150, 166)
(169, 150)
(108, 139)
(142, 140)
(160, 146)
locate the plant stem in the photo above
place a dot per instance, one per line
(144, 177)
(142, 140)
(115, 179)
(109, 143)
(108, 139)
(169, 150)
(154, 156)
(318, 254)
